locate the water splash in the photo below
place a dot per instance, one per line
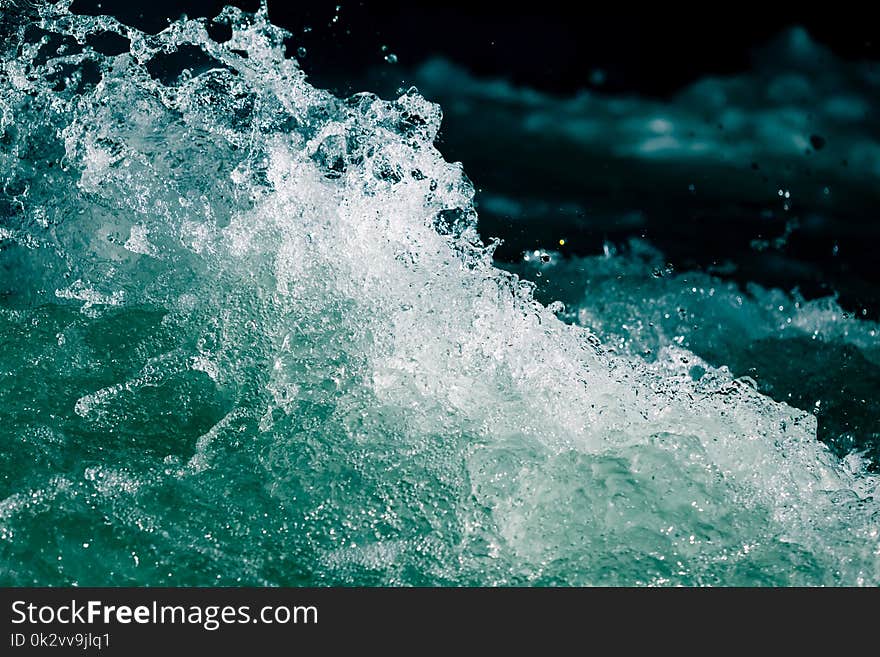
(287, 357)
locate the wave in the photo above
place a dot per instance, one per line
(252, 336)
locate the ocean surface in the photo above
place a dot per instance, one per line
(252, 333)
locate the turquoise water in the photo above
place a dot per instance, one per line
(249, 335)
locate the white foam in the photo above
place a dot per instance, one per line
(390, 385)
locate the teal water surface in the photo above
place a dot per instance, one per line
(250, 335)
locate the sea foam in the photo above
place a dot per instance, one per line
(288, 358)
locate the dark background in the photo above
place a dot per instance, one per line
(548, 45)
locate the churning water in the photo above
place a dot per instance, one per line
(249, 335)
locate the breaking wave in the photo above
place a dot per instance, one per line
(251, 336)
